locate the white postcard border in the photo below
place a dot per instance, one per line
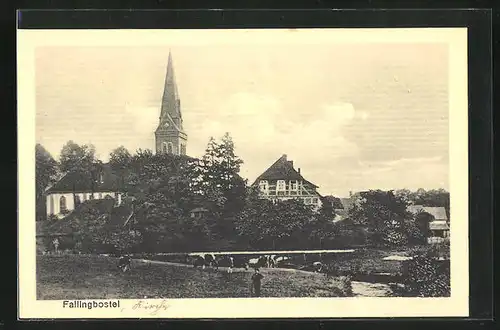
(456, 305)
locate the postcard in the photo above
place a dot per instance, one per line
(284, 173)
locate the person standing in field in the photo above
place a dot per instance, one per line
(256, 278)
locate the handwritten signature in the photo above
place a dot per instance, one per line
(152, 307)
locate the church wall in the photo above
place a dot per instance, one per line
(53, 200)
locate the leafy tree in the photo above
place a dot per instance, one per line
(46, 173)
(119, 159)
(265, 224)
(162, 194)
(384, 215)
(219, 183)
(418, 228)
(322, 229)
(433, 197)
(75, 158)
(427, 274)
(102, 230)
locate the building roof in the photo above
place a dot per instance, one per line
(199, 209)
(282, 169)
(82, 182)
(439, 212)
(438, 225)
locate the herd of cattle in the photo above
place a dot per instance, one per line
(264, 261)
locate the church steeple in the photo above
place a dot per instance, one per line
(170, 135)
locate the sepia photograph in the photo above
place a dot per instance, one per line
(171, 170)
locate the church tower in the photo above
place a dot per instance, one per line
(170, 136)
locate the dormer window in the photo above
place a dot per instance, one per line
(264, 186)
(281, 186)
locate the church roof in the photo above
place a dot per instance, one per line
(170, 98)
(82, 182)
(282, 169)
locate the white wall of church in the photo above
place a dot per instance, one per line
(56, 201)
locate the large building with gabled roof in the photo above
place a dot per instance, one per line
(281, 181)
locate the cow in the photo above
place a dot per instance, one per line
(124, 263)
(199, 261)
(211, 261)
(257, 262)
(280, 259)
(318, 267)
(271, 261)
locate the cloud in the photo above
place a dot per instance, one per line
(411, 173)
(263, 130)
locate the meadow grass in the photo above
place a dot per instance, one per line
(97, 277)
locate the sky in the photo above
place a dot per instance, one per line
(351, 116)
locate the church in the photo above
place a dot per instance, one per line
(170, 137)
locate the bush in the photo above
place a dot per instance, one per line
(427, 274)
(341, 286)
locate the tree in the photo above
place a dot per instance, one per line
(321, 229)
(265, 224)
(160, 188)
(101, 230)
(119, 160)
(79, 159)
(219, 183)
(418, 228)
(384, 215)
(46, 173)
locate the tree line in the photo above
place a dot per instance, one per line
(161, 190)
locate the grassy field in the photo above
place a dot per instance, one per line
(97, 277)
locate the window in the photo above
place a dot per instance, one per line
(100, 195)
(293, 185)
(84, 197)
(91, 196)
(170, 148)
(281, 185)
(264, 186)
(164, 147)
(77, 200)
(315, 201)
(307, 201)
(62, 204)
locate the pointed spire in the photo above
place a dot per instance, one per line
(170, 101)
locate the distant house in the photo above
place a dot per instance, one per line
(439, 226)
(281, 181)
(77, 187)
(198, 213)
